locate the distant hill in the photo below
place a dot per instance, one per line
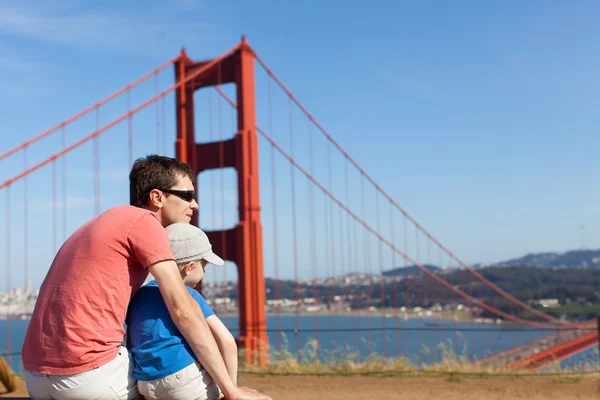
(570, 259)
(410, 270)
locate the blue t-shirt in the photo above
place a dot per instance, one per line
(157, 346)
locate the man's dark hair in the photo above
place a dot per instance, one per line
(154, 172)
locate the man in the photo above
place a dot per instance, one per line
(72, 348)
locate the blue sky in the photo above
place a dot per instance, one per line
(480, 119)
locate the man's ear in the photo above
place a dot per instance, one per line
(156, 198)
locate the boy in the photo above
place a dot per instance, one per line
(166, 367)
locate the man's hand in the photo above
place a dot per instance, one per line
(247, 389)
(244, 393)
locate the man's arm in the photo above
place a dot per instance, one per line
(227, 345)
(188, 318)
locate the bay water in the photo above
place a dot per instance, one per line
(354, 338)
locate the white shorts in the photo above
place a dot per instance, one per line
(189, 383)
(111, 381)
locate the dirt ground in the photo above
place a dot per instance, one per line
(417, 388)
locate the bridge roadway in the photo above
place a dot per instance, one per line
(557, 352)
(542, 352)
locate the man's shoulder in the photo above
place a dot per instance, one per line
(121, 218)
(125, 210)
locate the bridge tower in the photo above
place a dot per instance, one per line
(243, 243)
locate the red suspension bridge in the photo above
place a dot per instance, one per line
(326, 236)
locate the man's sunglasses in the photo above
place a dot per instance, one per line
(187, 195)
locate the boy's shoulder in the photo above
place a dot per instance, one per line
(149, 301)
(196, 294)
(151, 283)
(148, 292)
(154, 285)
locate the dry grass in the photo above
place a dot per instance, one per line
(344, 374)
(347, 361)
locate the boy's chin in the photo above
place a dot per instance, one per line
(191, 284)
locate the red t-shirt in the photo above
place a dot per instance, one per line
(77, 323)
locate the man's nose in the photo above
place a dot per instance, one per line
(194, 205)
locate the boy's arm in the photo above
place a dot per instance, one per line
(188, 318)
(227, 345)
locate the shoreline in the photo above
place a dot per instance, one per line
(391, 314)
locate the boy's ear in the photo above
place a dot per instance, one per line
(187, 268)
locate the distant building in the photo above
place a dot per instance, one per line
(549, 303)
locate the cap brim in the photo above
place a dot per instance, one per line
(214, 259)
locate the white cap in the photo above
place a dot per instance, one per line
(190, 243)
